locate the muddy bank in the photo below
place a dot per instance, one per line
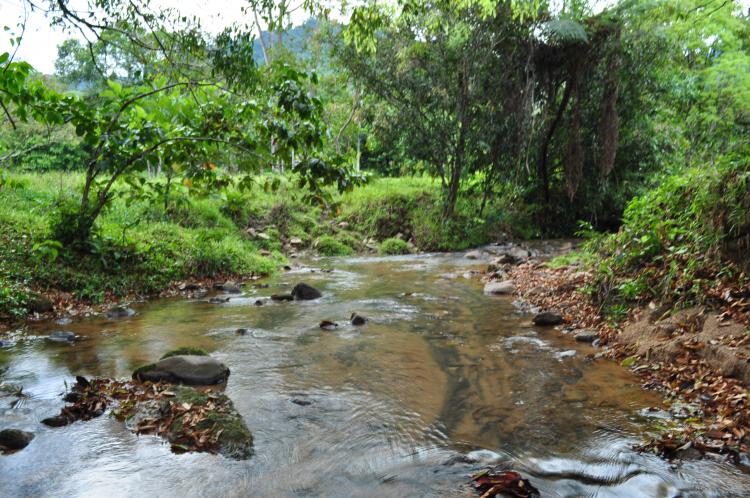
(698, 358)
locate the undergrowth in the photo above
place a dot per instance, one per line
(677, 241)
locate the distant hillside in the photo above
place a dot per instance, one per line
(295, 40)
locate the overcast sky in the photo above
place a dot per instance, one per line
(40, 41)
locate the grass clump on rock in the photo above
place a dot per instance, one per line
(184, 351)
(393, 246)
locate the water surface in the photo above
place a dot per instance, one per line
(439, 372)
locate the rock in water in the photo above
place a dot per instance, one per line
(305, 292)
(218, 300)
(231, 287)
(184, 369)
(586, 335)
(281, 297)
(548, 318)
(120, 312)
(504, 287)
(14, 439)
(358, 319)
(473, 255)
(56, 421)
(62, 336)
(328, 325)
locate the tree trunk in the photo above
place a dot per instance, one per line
(543, 170)
(459, 156)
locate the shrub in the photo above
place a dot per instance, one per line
(329, 246)
(673, 239)
(393, 246)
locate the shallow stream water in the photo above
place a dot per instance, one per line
(439, 372)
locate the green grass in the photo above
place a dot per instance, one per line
(412, 208)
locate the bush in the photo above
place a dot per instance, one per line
(329, 246)
(393, 246)
(675, 240)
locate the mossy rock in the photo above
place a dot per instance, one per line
(235, 439)
(192, 396)
(182, 351)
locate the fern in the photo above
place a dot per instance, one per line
(564, 31)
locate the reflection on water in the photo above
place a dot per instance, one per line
(440, 370)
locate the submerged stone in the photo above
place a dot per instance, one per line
(62, 336)
(120, 312)
(358, 319)
(184, 369)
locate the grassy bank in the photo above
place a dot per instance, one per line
(143, 243)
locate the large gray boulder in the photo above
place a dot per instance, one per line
(184, 369)
(498, 288)
(305, 292)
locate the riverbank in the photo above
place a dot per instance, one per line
(698, 358)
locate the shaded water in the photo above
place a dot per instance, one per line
(434, 375)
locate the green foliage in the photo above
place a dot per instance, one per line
(677, 238)
(393, 246)
(14, 299)
(329, 246)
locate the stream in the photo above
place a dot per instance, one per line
(441, 381)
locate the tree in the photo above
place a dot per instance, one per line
(166, 119)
